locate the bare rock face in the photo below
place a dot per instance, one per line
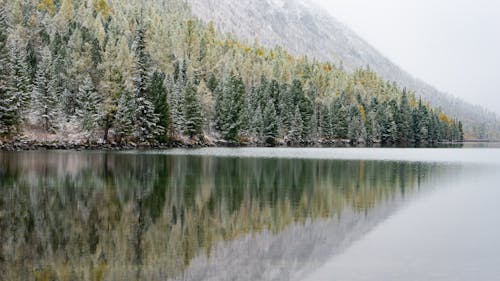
(304, 29)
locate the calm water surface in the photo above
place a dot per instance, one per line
(251, 214)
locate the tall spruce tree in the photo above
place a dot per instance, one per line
(46, 102)
(158, 94)
(8, 104)
(145, 119)
(340, 119)
(270, 124)
(192, 112)
(231, 105)
(405, 120)
(257, 124)
(297, 128)
(90, 111)
(326, 123)
(124, 118)
(19, 77)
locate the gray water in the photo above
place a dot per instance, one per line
(251, 214)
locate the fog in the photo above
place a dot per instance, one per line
(453, 45)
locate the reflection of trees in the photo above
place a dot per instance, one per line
(93, 216)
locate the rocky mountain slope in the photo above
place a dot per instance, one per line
(304, 29)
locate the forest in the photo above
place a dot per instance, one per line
(113, 71)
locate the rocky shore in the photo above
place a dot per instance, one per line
(27, 145)
(56, 145)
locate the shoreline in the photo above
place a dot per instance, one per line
(23, 145)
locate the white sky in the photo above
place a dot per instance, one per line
(452, 44)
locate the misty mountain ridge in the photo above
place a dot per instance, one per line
(305, 29)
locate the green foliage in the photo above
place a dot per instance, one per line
(158, 94)
(192, 112)
(89, 112)
(44, 94)
(146, 121)
(230, 103)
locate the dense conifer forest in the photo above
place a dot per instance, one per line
(113, 71)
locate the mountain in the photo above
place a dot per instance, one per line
(304, 29)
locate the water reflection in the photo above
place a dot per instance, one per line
(111, 216)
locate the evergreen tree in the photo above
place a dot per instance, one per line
(405, 119)
(326, 123)
(212, 83)
(270, 124)
(231, 106)
(297, 127)
(89, 112)
(158, 95)
(176, 97)
(257, 124)
(124, 119)
(8, 105)
(306, 113)
(339, 120)
(355, 128)
(394, 121)
(460, 131)
(192, 112)
(220, 110)
(19, 77)
(46, 102)
(145, 119)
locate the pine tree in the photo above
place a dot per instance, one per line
(176, 97)
(192, 112)
(297, 127)
(124, 117)
(212, 83)
(355, 128)
(145, 119)
(19, 77)
(231, 106)
(306, 112)
(158, 95)
(270, 124)
(257, 124)
(339, 120)
(90, 112)
(111, 85)
(8, 105)
(460, 131)
(326, 123)
(46, 102)
(405, 119)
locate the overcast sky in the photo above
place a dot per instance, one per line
(452, 44)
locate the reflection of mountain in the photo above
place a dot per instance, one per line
(288, 255)
(95, 216)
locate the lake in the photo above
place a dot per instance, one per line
(251, 214)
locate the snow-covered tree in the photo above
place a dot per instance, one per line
(326, 123)
(19, 75)
(124, 118)
(46, 102)
(145, 119)
(270, 123)
(90, 109)
(192, 112)
(297, 126)
(8, 104)
(257, 124)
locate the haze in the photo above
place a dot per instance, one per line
(453, 45)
